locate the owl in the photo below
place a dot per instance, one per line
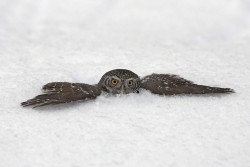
(119, 81)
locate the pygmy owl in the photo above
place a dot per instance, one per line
(119, 81)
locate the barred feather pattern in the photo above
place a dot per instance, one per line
(167, 84)
(63, 92)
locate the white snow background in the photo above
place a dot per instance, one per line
(207, 42)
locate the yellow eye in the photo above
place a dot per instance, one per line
(114, 82)
(130, 82)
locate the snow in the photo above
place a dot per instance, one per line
(79, 40)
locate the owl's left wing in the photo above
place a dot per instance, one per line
(63, 92)
(166, 84)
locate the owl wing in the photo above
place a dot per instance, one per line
(166, 84)
(63, 92)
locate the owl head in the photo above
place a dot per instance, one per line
(120, 81)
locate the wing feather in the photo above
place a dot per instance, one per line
(63, 92)
(166, 84)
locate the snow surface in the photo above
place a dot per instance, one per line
(207, 42)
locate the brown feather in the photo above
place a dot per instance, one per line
(165, 84)
(63, 92)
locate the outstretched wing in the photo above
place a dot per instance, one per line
(166, 84)
(63, 92)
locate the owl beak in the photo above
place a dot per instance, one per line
(122, 90)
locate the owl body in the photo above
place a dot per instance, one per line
(119, 81)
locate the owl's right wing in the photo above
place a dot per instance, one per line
(167, 84)
(63, 92)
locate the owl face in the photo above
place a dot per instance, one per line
(117, 85)
(120, 81)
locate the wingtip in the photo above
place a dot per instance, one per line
(229, 90)
(24, 104)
